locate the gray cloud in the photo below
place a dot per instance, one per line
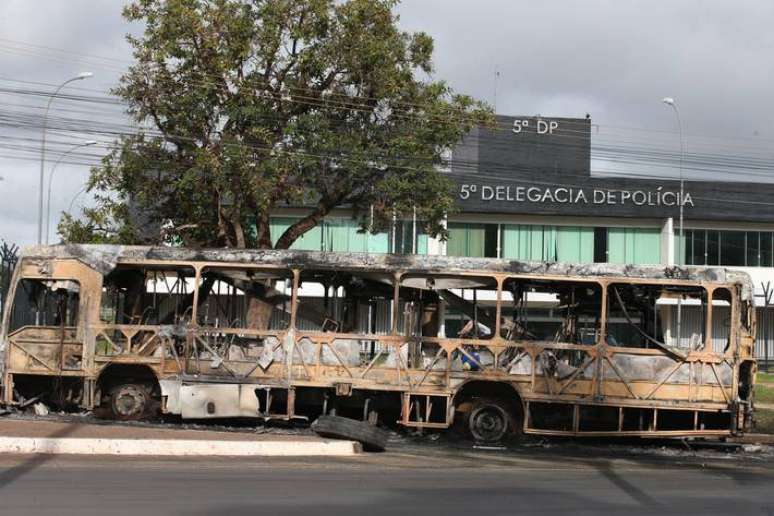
(612, 58)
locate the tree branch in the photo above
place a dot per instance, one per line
(324, 206)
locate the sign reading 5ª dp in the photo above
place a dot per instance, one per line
(541, 126)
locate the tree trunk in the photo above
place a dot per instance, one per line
(295, 231)
(263, 230)
(258, 313)
(239, 233)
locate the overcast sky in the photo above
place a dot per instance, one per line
(614, 59)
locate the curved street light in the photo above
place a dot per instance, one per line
(81, 76)
(72, 201)
(51, 180)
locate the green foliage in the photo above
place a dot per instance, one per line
(764, 393)
(765, 377)
(9, 256)
(764, 421)
(262, 103)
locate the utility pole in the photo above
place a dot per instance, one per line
(669, 101)
(768, 293)
(496, 78)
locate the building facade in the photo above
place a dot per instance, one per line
(526, 191)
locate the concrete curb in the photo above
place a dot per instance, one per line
(177, 447)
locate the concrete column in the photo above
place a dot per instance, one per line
(435, 246)
(668, 242)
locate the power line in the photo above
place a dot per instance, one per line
(699, 162)
(124, 130)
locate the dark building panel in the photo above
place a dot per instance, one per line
(537, 165)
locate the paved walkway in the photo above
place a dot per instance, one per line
(82, 438)
(10, 427)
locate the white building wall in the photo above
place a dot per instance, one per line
(668, 242)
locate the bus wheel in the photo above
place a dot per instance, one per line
(491, 421)
(129, 402)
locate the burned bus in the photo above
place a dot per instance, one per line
(496, 347)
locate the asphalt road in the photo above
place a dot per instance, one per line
(411, 479)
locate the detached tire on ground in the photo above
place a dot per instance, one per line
(371, 437)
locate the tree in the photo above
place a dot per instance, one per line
(253, 104)
(9, 256)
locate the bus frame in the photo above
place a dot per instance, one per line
(418, 380)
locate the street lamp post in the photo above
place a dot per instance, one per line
(669, 101)
(51, 180)
(79, 77)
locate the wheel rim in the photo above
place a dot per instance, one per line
(489, 423)
(129, 401)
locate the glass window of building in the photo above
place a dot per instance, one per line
(575, 244)
(537, 242)
(600, 245)
(309, 241)
(713, 248)
(697, 246)
(472, 239)
(548, 243)
(767, 249)
(529, 242)
(409, 238)
(734, 248)
(753, 248)
(345, 235)
(333, 235)
(634, 245)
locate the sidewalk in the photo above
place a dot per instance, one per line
(753, 439)
(54, 437)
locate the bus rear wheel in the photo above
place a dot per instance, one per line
(130, 402)
(491, 421)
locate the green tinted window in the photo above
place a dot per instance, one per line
(309, 241)
(334, 234)
(634, 245)
(466, 239)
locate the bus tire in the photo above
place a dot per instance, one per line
(130, 402)
(491, 420)
(371, 437)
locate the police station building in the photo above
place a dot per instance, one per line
(526, 191)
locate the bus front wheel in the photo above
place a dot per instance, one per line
(129, 402)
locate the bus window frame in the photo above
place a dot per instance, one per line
(553, 279)
(9, 306)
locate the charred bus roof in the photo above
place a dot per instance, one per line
(104, 258)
